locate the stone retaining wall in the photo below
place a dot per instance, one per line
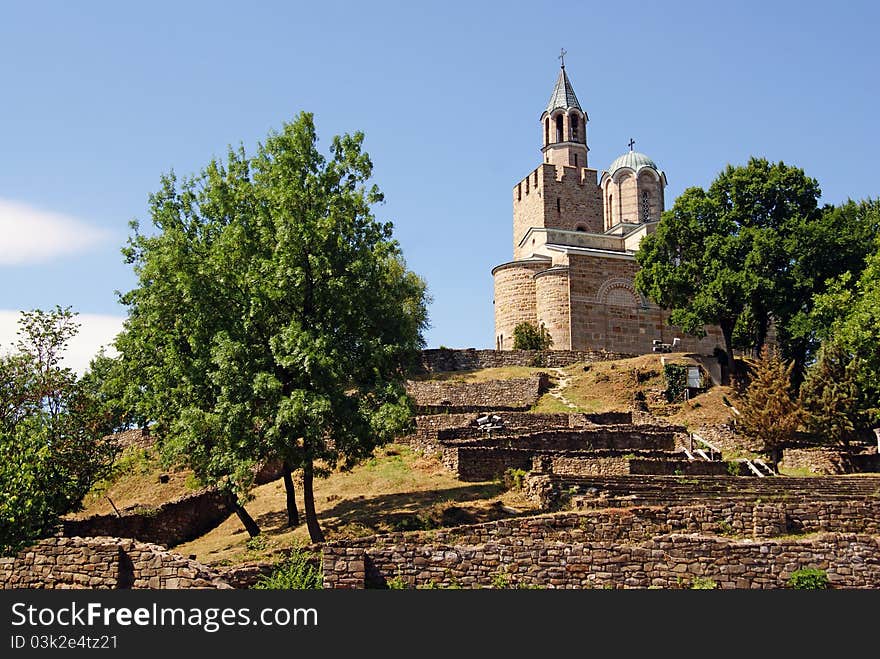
(437, 397)
(172, 523)
(828, 460)
(104, 563)
(551, 490)
(665, 547)
(440, 360)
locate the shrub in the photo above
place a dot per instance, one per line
(514, 479)
(703, 583)
(676, 381)
(808, 579)
(299, 571)
(501, 580)
(397, 583)
(528, 336)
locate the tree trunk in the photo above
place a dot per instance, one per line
(249, 524)
(309, 501)
(292, 512)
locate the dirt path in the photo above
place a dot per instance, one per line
(563, 380)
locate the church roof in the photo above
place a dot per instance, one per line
(634, 160)
(563, 94)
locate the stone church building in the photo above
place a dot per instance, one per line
(575, 234)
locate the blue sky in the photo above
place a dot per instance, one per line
(100, 98)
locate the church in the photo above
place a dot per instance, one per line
(575, 234)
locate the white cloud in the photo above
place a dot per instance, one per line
(95, 331)
(29, 235)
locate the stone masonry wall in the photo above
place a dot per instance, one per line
(172, 523)
(515, 299)
(665, 547)
(552, 307)
(494, 395)
(818, 460)
(103, 563)
(549, 490)
(440, 360)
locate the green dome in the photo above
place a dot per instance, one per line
(634, 160)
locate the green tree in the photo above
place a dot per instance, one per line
(848, 316)
(750, 250)
(769, 413)
(820, 249)
(51, 445)
(528, 336)
(832, 397)
(273, 315)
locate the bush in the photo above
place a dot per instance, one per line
(528, 336)
(808, 579)
(703, 583)
(299, 571)
(514, 479)
(676, 381)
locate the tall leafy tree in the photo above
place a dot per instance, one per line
(728, 256)
(273, 315)
(52, 448)
(848, 320)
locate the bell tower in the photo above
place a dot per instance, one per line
(564, 125)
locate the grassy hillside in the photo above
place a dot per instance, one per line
(399, 489)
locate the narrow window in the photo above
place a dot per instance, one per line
(536, 178)
(527, 185)
(559, 134)
(547, 131)
(610, 209)
(557, 205)
(646, 206)
(575, 160)
(573, 127)
(519, 191)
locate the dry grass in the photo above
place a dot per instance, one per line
(484, 374)
(707, 409)
(610, 386)
(135, 481)
(396, 490)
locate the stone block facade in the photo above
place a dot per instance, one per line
(439, 360)
(103, 563)
(434, 397)
(737, 545)
(169, 524)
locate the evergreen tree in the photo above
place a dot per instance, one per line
(831, 397)
(768, 412)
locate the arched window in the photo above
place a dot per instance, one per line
(573, 127)
(546, 131)
(575, 159)
(646, 206)
(559, 134)
(610, 208)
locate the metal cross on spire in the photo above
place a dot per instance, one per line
(562, 54)
(631, 143)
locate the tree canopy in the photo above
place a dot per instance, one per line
(752, 251)
(273, 314)
(52, 448)
(528, 336)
